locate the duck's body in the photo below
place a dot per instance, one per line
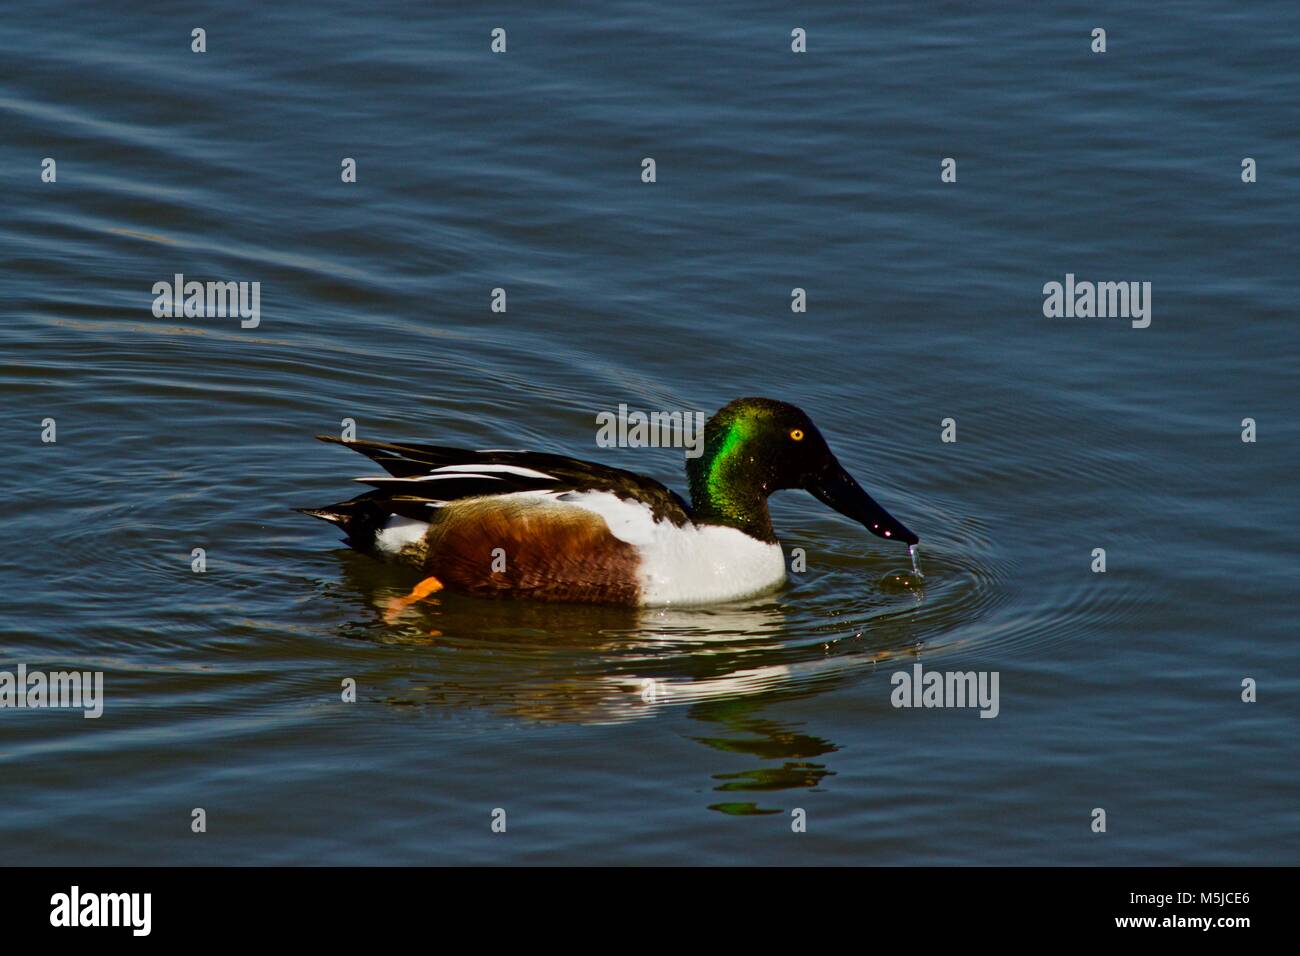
(589, 546)
(547, 527)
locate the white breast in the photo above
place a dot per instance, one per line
(707, 565)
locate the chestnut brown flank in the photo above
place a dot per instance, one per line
(552, 552)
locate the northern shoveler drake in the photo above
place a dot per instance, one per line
(535, 525)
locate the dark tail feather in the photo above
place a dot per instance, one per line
(386, 456)
(405, 461)
(359, 519)
(324, 514)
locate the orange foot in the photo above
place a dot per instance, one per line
(418, 593)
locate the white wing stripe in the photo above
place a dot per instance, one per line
(503, 469)
(389, 478)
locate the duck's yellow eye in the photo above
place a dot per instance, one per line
(796, 434)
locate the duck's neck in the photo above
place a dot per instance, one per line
(726, 488)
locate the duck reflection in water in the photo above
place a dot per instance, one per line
(607, 665)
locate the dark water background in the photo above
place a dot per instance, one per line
(1118, 690)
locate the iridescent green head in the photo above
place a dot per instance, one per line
(755, 446)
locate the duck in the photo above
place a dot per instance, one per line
(541, 526)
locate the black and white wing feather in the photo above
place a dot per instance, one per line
(421, 476)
